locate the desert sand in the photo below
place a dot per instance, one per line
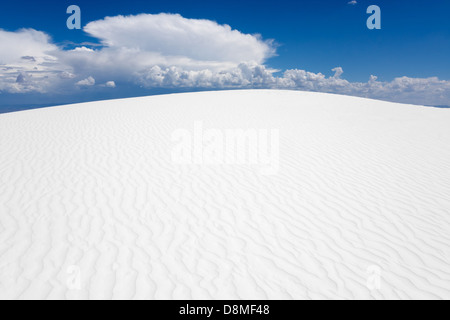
(94, 206)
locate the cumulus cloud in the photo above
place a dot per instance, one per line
(170, 39)
(338, 71)
(28, 62)
(25, 44)
(427, 91)
(169, 51)
(110, 84)
(88, 82)
(134, 47)
(244, 75)
(353, 2)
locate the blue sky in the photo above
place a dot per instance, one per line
(315, 36)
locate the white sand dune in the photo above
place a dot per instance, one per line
(93, 205)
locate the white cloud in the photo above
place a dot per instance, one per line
(27, 43)
(88, 82)
(170, 39)
(244, 75)
(28, 62)
(353, 2)
(338, 71)
(66, 75)
(110, 84)
(82, 49)
(170, 51)
(427, 91)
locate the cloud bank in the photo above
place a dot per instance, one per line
(28, 63)
(170, 51)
